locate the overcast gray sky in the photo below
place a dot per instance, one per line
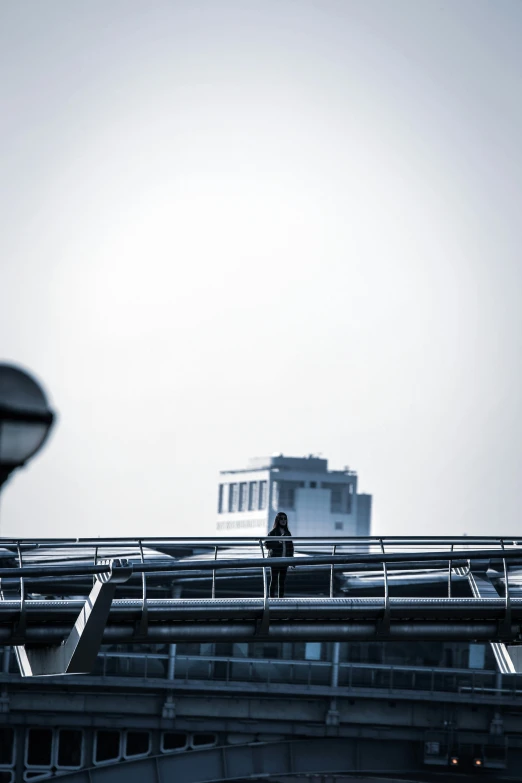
(235, 227)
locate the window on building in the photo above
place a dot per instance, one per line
(222, 498)
(313, 651)
(252, 496)
(243, 496)
(70, 749)
(339, 525)
(39, 747)
(275, 495)
(336, 500)
(286, 494)
(233, 493)
(6, 746)
(349, 499)
(313, 484)
(262, 495)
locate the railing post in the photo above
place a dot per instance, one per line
(332, 575)
(172, 662)
(449, 573)
(507, 616)
(214, 574)
(263, 626)
(143, 624)
(334, 680)
(171, 671)
(385, 622)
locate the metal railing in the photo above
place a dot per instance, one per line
(143, 574)
(35, 561)
(309, 673)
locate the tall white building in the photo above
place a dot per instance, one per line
(318, 501)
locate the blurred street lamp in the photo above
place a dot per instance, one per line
(25, 419)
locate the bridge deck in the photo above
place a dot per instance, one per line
(68, 630)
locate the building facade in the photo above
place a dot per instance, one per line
(318, 501)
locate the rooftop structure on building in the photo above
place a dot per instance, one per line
(317, 501)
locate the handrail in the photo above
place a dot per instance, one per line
(75, 543)
(348, 561)
(300, 661)
(378, 676)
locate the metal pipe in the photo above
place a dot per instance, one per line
(214, 574)
(332, 575)
(223, 540)
(172, 662)
(170, 566)
(336, 651)
(174, 609)
(430, 571)
(168, 633)
(176, 593)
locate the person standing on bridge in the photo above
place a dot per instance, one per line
(279, 549)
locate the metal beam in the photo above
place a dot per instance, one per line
(279, 630)
(509, 659)
(130, 610)
(77, 654)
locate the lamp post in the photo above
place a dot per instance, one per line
(25, 419)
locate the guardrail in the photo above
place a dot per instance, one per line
(306, 673)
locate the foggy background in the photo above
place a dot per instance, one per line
(237, 228)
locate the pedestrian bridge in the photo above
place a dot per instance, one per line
(61, 599)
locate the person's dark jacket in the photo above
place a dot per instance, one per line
(275, 548)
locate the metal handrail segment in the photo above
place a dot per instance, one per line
(154, 541)
(348, 559)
